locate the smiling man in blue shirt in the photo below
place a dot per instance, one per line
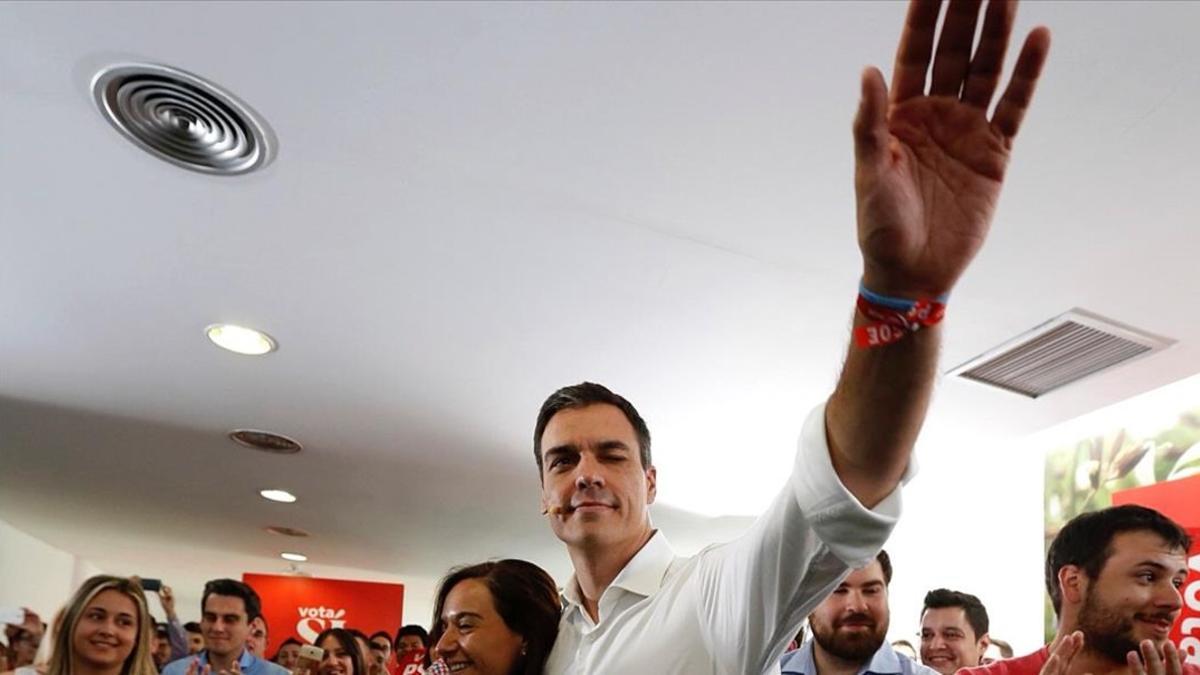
(849, 630)
(228, 607)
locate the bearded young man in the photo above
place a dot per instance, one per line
(849, 630)
(1114, 578)
(929, 165)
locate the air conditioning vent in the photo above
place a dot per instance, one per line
(1061, 351)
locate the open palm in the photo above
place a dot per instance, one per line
(929, 165)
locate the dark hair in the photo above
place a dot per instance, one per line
(235, 589)
(346, 639)
(886, 563)
(580, 396)
(411, 629)
(974, 610)
(192, 627)
(526, 598)
(289, 641)
(358, 634)
(380, 633)
(1086, 541)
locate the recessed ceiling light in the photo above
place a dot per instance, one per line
(278, 496)
(294, 557)
(240, 340)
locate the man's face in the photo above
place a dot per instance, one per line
(852, 623)
(948, 642)
(195, 642)
(411, 643)
(592, 470)
(1135, 597)
(381, 649)
(225, 625)
(24, 645)
(162, 648)
(256, 642)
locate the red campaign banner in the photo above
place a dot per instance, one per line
(302, 607)
(1179, 500)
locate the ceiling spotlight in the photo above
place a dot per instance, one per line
(278, 496)
(240, 340)
(294, 557)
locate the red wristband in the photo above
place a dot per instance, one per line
(889, 325)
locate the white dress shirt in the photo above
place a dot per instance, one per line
(732, 608)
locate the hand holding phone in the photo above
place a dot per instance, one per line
(309, 660)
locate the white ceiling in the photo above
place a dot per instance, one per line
(474, 204)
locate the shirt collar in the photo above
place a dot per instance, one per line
(885, 660)
(244, 661)
(643, 574)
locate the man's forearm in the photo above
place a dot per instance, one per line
(875, 413)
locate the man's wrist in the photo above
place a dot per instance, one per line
(907, 288)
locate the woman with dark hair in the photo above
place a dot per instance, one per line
(496, 618)
(342, 655)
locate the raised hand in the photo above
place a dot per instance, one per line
(1152, 661)
(167, 597)
(194, 668)
(1062, 653)
(929, 162)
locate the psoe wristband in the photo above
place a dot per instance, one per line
(894, 318)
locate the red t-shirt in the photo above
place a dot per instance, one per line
(1031, 664)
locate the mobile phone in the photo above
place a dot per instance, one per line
(310, 659)
(151, 585)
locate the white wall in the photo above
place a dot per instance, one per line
(973, 522)
(37, 575)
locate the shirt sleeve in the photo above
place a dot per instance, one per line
(756, 590)
(178, 638)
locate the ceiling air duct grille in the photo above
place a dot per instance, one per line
(183, 118)
(1065, 349)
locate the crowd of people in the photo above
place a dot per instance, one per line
(1113, 576)
(929, 165)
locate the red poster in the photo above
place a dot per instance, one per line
(1179, 500)
(302, 607)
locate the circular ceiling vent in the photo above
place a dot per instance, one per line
(286, 531)
(183, 119)
(265, 441)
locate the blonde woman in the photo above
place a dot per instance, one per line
(106, 630)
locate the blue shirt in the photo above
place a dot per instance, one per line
(249, 663)
(885, 661)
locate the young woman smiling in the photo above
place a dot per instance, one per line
(495, 618)
(106, 630)
(342, 654)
